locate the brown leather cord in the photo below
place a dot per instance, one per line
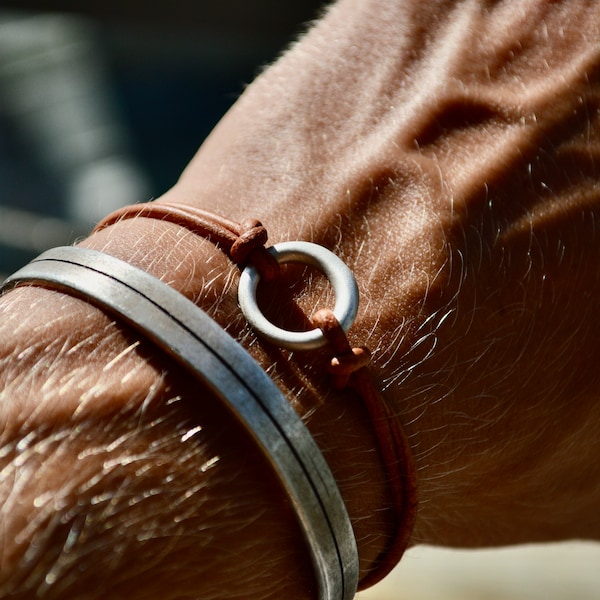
(349, 368)
(244, 243)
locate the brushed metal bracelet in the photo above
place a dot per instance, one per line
(191, 337)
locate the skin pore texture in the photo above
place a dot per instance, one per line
(447, 152)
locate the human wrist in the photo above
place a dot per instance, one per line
(136, 242)
(301, 378)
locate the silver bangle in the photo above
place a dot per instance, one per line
(190, 336)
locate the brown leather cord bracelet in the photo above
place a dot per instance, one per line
(245, 244)
(350, 368)
(242, 242)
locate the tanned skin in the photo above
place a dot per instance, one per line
(448, 152)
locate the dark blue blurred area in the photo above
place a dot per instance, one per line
(95, 114)
(174, 90)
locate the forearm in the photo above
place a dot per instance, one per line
(446, 152)
(405, 139)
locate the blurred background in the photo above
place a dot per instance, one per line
(567, 571)
(103, 104)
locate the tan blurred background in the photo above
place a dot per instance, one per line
(568, 571)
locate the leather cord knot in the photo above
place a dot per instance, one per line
(244, 243)
(346, 360)
(252, 235)
(342, 366)
(249, 247)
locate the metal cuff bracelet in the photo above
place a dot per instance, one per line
(185, 332)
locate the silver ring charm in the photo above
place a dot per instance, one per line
(336, 271)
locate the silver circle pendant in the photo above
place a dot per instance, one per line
(339, 275)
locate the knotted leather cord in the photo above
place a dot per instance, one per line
(244, 243)
(349, 368)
